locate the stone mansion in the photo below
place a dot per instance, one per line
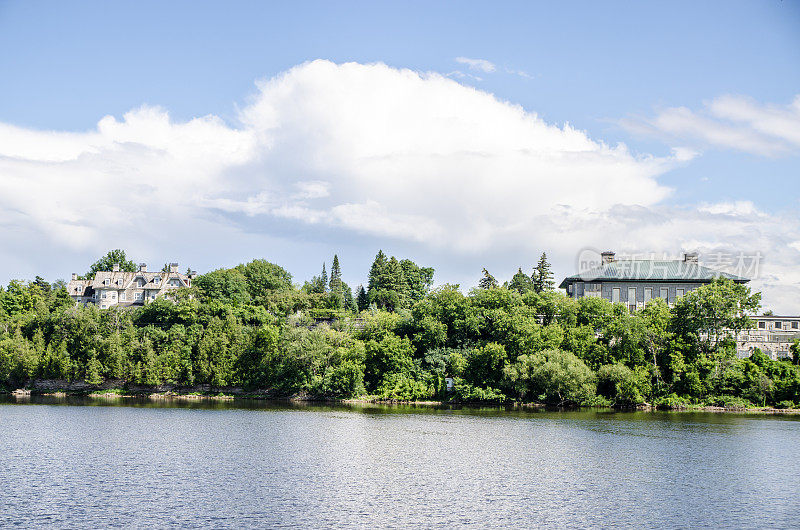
(122, 288)
(636, 282)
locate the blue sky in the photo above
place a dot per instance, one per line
(614, 71)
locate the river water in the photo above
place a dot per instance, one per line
(124, 462)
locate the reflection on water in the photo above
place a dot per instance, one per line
(77, 462)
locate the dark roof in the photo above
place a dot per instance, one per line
(651, 271)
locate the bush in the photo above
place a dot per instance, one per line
(468, 393)
(345, 380)
(672, 401)
(730, 402)
(564, 379)
(404, 387)
(786, 404)
(622, 385)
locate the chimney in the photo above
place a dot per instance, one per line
(690, 257)
(115, 267)
(192, 274)
(74, 275)
(173, 267)
(607, 257)
(143, 267)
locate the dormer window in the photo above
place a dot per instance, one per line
(140, 282)
(107, 281)
(156, 280)
(119, 282)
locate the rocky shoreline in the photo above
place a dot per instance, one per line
(51, 388)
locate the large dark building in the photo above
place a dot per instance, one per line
(636, 282)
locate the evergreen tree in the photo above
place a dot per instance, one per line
(42, 283)
(520, 282)
(362, 301)
(347, 297)
(336, 276)
(94, 370)
(376, 272)
(488, 281)
(324, 279)
(542, 275)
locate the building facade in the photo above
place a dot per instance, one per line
(773, 335)
(121, 288)
(636, 282)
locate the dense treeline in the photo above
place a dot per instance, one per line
(251, 327)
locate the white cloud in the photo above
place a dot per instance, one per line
(327, 154)
(481, 65)
(731, 122)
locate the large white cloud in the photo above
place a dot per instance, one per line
(360, 151)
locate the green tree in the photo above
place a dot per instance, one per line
(715, 311)
(520, 282)
(336, 276)
(94, 370)
(228, 286)
(263, 277)
(362, 301)
(542, 277)
(107, 262)
(487, 281)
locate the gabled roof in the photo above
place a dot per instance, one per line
(128, 278)
(651, 271)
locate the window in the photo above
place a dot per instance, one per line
(156, 280)
(79, 289)
(138, 296)
(107, 281)
(778, 325)
(795, 325)
(762, 325)
(79, 299)
(123, 296)
(648, 294)
(615, 295)
(103, 295)
(664, 294)
(679, 293)
(632, 298)
(119, 282)
(140, 282)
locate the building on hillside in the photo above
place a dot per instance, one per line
(116, 287)
(773, 335)
(636, 282)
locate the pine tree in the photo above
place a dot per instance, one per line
(94, 370)
(542, 275)
(324, 279)
(376, 272)
(488, 281)
(520, 282)
(362, 301)
(336, 276)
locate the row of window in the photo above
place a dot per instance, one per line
(777, 324)
(662, 292)
(140, 282)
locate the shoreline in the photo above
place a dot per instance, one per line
(222, 396)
